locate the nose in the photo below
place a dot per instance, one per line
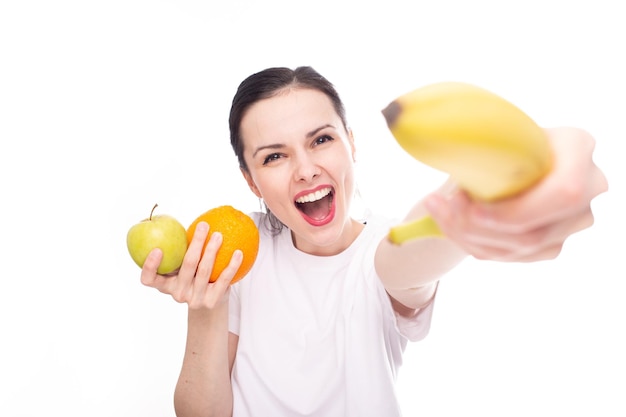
(306, 168)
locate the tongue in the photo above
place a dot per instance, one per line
(317, 209)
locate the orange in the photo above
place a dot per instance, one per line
(239, 232)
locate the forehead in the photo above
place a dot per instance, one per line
(291, 112)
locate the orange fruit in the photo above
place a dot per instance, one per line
(239, 232)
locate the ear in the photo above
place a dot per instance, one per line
(250, 182)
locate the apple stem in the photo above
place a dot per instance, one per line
(155, 206)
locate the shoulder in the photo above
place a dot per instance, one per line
(258, 217)
(268, 226)
(272, 238)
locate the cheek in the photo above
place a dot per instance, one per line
(270, 184)
(343, 173)
(350, 183)
(345, 166)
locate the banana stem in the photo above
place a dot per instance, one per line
(416, 229)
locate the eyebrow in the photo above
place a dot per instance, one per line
(280, 145)
(314, 131)
(262, 148)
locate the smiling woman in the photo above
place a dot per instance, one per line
(109, 107)
(320, 324)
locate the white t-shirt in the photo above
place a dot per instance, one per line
(317, 335)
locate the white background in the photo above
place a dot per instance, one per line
(107, 107)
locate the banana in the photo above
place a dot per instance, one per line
(488, 146)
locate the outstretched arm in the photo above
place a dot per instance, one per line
(529, 227)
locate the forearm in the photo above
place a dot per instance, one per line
(416, 263)
(204, 387)
(410, 271)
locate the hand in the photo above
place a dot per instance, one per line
(534, 225)
(191, 283)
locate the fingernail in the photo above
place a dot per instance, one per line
(202, 226)
(432, 203)
(216, 237)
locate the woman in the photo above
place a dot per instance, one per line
(319, 325)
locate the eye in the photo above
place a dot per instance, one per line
(271, 157)
(323, 139)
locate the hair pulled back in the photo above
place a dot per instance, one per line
(268, 83)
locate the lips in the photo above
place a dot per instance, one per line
(317, 206)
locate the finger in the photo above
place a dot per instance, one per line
(195, 249)
(483, 242)
(227, 275)
(149, 276)
(215, 292)
(537, 244)
(181, 287)
(599, 182)
(500, 255)
(205, 267)
(560, 193)
(449, 212)
(546, 254)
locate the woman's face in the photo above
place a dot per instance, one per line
(300, 161)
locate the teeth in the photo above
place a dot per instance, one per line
(318, 195)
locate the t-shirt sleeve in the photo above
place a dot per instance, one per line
(413, 328)
(416, 327)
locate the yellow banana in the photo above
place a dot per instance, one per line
(488, 146)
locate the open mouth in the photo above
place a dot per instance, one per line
(316, 206)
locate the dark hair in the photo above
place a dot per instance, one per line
(266, 84)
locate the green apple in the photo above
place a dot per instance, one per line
(163, 232)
